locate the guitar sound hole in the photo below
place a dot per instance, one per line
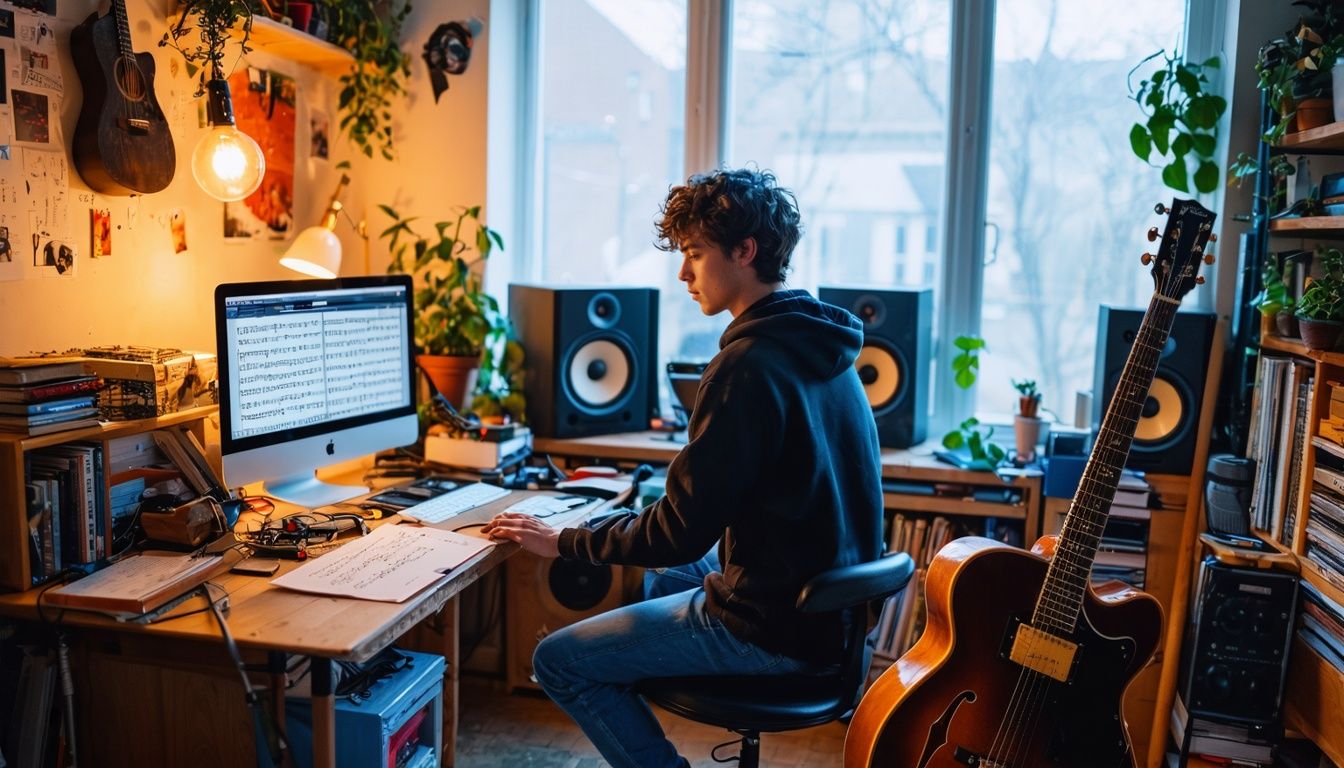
(130, 80)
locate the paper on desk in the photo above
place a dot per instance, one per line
(390, 564)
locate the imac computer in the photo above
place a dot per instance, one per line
(312, 372)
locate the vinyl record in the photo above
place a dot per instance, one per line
(880, 371)
(599, 373)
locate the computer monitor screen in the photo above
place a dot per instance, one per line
(312, 372)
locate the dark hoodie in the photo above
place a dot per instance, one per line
(782, 464)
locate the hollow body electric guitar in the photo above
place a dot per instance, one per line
(122, 144)
(1022, 664)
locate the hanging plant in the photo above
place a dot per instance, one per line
(1182, 124)
(380, 70)
(215, 20)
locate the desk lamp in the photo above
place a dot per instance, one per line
(317, 250)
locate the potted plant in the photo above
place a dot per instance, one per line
(1320, 311)
(214, 20)
(1275, 301)
(969, 434)
(1027, 426)
(1294, 69)
(459, 328)
(1182, 122)
(371, 31)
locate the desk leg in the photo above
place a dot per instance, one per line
(275, 665)
(450, 657)
(324, 714)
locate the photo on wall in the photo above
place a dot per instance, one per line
(264, 108)
(32, 121)
(100, 231)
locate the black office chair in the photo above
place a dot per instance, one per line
(750, 704)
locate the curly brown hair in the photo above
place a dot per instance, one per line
(729, 206)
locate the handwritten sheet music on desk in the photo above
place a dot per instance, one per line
(391, 564)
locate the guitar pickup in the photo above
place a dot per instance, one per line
(136, 125)
(1040, 651)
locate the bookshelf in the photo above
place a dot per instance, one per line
(269, 36)
(15, 566)
(1314, 693)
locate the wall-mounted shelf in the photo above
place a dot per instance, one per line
(277, 39)
(1330, 227)
(1326, 138)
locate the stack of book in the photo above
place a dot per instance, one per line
(67, 509)
(1122, 553)
(1325, 513)
(38, 395)
(1322, 625)
(1278, 433)
(489, 449)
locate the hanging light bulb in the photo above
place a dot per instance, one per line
(227, 163)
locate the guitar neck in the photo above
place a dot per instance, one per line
(123, 28)
(1070, 569)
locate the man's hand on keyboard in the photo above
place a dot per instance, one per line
(534, 535)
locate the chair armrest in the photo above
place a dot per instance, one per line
(841, 588)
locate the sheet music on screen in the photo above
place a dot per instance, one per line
(309, 358)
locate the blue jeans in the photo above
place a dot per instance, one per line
(588, 669)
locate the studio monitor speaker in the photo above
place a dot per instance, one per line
(894, 362)
(546, 594)
(1167, 432)
(592, 358)
(1235, 659)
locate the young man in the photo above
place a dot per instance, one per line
(781, 468)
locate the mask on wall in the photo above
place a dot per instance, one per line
(446, 53)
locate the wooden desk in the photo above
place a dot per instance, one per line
(267, 619)
(916, 464)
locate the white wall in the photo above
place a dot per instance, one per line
(147, 294)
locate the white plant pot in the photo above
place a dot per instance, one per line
(1029, 432)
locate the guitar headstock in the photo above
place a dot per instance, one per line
(1188, 232)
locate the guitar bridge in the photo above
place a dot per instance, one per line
(1040, 651)
(136, 125)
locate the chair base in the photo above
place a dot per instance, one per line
(749, 754)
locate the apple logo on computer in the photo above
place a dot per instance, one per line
(331, 447)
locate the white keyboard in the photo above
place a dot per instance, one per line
(448, 505)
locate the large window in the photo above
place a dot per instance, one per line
(847, 102)
(1068, 199)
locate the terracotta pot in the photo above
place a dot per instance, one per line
(1028, 432)
(1320, 334)
(1313, 113)
(453, 375)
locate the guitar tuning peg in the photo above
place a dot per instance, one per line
(1208, 258)
(1146, 258)
(1199, 280)
(1152, 234)
(1213, 238)
(1160, 209)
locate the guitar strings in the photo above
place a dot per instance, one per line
(1012, 729)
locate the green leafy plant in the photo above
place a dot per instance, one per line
(380, 71)
(984, 453)
(1274, 296)
(1028, 397)
(1323, 296)
(454, 316)
(215, 21)
(1182, 123)
(1280, 170)
(1296, 65)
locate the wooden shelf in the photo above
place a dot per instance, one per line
(1329, 227)
(1325, 138)
(107, 430)
(950, 505)
(1314, 698)
(274, 38)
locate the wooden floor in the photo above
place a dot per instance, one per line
(502, 730)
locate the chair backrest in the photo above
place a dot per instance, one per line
(849, 590)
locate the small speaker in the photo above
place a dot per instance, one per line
(545, 594)
(894, 362)
(1236, 656)
(591, 358)
(1166, 435)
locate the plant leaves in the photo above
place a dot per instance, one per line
(1204, 144)
(1181, 145)
(1140, 142)
(1174, 176)
(1206, 177)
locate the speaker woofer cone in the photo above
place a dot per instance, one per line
(1166, 416)
(600, 373)
(881, 370)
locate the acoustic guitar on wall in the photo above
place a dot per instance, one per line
(122, 145)
(1023, 664)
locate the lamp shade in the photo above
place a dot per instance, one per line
(316, 252)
